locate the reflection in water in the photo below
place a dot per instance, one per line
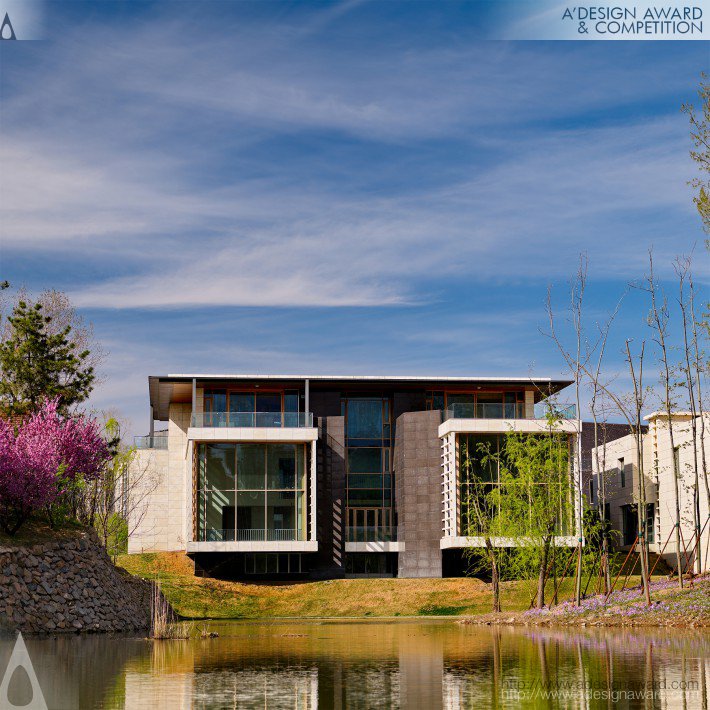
(377, 665)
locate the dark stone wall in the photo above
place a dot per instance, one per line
(408, 402)
(330, 496)
(417, 463)
(325, 404)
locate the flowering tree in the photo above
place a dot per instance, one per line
(40, 460)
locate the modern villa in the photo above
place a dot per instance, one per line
(322, 476)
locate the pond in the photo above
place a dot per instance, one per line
(367, 664)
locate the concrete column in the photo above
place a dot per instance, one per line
(194, 400)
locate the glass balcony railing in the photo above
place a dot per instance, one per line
(361, 533)
(277, 420)
(252, 535)
(488, 410)
(558, 410)
(157, 441)
(493, 410)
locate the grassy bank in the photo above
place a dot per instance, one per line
(196, 597)
(670, 606)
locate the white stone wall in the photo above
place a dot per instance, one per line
(616, 495)
(160, 522)
(659, 443)
(660, 488)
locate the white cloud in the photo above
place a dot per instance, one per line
(152, 154)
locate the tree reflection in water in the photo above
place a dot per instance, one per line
(422, 664)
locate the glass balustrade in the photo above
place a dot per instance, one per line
(157, 441)
(494, 410)
(278, 420)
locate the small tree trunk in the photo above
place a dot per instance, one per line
(541, 577)
(495, 583)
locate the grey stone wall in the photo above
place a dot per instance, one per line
(330, 486)
(417, 463)
(67, 586)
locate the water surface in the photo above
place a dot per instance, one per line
(363, 664)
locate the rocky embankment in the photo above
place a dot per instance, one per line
(68, 586)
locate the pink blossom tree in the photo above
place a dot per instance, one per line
(42, 459)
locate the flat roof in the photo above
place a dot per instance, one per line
(164, 389)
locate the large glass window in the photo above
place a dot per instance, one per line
(251, 492)
(479, 404)
(368, 430)
(250, 408)
(482, 465)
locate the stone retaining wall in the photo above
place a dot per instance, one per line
(67, 586)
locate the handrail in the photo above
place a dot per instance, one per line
(157, 441)
(252, 535)
(371, 533)
(277, 420)
(509, 410)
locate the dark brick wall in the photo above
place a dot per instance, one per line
(417, 462)
(330, 500)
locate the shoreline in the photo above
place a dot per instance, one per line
(671, 607)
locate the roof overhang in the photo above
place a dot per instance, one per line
(164, 389)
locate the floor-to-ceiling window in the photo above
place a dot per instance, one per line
(251, 492)
(369, 482)
(478, 404)
(482, 458)
(252, 408)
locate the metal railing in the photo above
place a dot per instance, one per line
(252, 535)
(157, 441)
(493, 410)
(363, 533)
(275, 420)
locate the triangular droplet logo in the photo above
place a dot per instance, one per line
(6, 30)
(20, 658)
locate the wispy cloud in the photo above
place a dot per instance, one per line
(303, 161)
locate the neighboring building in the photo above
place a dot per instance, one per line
(323, 476)
(619, 464)
(605, 434)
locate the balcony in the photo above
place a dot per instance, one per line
(157, 441)
(252, 420)
(500, 418)
(494, 410)
(253, 535)
(371, 534)
(360, 538)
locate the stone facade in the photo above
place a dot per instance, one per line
(417, 465)
(163, 476)
(68, 586)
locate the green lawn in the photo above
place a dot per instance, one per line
(197, 597)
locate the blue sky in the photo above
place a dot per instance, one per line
(351, 188)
